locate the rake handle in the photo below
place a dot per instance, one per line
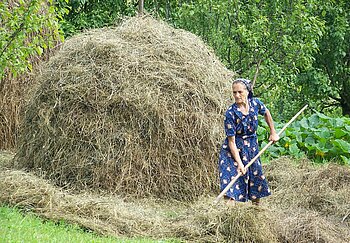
(256, 157)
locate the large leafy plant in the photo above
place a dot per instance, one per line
(319, 137)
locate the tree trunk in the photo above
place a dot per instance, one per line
(141, 7)
(345, 105)
(345, 98)
(346, 110)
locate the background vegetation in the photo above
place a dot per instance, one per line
(301, 48)
(319, 137)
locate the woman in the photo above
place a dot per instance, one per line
(241, 145)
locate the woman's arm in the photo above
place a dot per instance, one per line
(235, 154)
(273, 135)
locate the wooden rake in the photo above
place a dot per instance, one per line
(256, 157)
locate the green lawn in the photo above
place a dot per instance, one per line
(18, 227)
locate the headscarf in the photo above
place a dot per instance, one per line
(248, 85)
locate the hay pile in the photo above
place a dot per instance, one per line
(287, 216)
(134, 110)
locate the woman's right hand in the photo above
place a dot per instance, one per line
(241, 169)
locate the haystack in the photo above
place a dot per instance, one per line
(134, 110)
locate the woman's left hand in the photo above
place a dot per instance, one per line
(274, 137)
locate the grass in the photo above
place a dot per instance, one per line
(18, 227)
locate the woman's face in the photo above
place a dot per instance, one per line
(240, 93)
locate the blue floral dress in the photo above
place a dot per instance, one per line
(253, 184)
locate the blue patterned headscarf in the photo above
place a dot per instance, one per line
(248, 85)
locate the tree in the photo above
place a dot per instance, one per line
(141, 7)
(27, 29)
(280, 35)
(328, 82)
(85, 14)
(28, 32)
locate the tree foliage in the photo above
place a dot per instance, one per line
(279, 37)
(327, 83)
(301, 48)
(27, 28)
(86, 14)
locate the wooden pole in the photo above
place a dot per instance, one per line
(141, 7)
(256, 157)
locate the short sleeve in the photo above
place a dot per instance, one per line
(261, 107)
(230, 128)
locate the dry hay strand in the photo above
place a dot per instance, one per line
(5, 159)
(134, 110)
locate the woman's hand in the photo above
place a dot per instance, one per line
(241, 169)
(274, 137)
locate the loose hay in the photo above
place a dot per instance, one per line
(305, 226)
(147, 218)
(134, 110)
(242, 223)
(325, 189)
(283, 217)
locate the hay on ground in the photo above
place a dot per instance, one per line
(304, 226)
(111, 215)
(325, 189)
(283, 217)
(135, 110)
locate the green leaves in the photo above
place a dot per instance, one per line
(27, 29)
(342, 145)
(85, 14)
(318, 136)
(281, 35)
(327, 83)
